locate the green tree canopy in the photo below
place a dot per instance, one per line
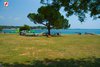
(50, 17)
(1, 28)
(25, 27)
(77, 7)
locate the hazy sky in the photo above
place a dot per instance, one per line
(17, 11)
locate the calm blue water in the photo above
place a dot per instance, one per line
(62, 31)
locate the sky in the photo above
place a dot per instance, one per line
(16, 15)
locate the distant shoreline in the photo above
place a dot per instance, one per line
(61, 31)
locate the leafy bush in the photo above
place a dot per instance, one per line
(25, 27)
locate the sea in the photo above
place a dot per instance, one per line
(61, 31)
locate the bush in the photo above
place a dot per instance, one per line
(1, 28)
(24, 28)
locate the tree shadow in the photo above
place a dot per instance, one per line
(84, 62)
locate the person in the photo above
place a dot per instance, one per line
(58, 34)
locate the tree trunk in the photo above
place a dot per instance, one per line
(49, 33)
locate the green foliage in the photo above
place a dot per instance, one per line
(25, 27)
(50, 17)
(36, 17)
(77, 7)
(1, 28)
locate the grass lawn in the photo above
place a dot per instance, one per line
(64, 51)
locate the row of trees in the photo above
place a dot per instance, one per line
(50, 16)
(16, 27)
